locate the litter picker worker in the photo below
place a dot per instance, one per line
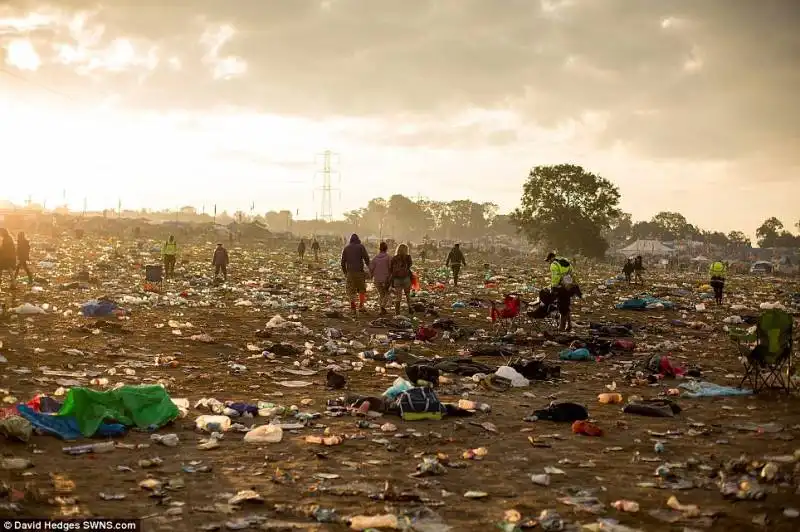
(718, 271)
(169, 254)
(563, 285)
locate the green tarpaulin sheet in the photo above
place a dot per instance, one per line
(139, 406)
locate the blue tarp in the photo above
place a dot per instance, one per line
(642, 302)
(709, 389)
(65, 427)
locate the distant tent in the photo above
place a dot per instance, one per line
(647, 247)
(701, 258)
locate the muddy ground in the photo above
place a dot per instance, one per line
(284, 473)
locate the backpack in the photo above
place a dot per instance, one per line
(420, 403)
(567, 281)
(400, 269)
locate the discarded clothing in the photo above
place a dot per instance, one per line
(101, 308)
(459, 366)
(653, 408)
(492, 351)
(645, 302)
(562, 413)
(614, 331)
(537, 370)
(421, 373)
(709, 389)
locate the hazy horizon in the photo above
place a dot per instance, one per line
(686, 106)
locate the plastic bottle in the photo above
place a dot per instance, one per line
(95, 448)
(626, 506)
(14, 464)
(610, 398)
(366, 522)
(581, 354)
(170, 440)
(213, 423)
(466, 404)
(264, 434)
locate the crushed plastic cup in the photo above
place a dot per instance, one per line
(264, 434)
(213, 423)
(610, 398)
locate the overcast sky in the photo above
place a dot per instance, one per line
(687, 105)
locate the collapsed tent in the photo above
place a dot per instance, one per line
(139, 406)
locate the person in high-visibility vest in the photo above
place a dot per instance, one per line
(563, 285)
(169, 253)
(718, 271)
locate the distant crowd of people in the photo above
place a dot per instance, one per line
(717, 272)
(14, 256)
(390, 274)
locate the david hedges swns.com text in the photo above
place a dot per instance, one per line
(66, 526)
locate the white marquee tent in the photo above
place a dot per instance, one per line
(647, 247)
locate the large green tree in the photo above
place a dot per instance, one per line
(568, 208)
(673, 226)
(738, 240)
(769, 232)
(621, 229)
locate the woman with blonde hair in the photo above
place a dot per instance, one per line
(400, 275)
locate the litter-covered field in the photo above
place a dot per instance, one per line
(181, 377)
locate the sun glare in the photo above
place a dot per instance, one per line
(22, 54)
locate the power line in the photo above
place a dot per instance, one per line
(35, 83)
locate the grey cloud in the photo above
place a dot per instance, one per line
(382, 57)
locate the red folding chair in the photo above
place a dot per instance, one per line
(506, 317)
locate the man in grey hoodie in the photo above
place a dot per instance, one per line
(379, 269)
(354, 258)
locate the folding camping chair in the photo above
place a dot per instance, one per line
(153, 278)
(505, 317)
(766, 354)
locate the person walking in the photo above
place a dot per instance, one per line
(400, 274)
(379, 270)
(718, 271)
(8, 256)
(220, 262)
(23, 256)
(354, 259)
(455, 260)
(563, 285)
(628, 270)
(169, 254)
(301, 249)
(315, 250)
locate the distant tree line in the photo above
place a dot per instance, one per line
(570, 209)
(402, 218)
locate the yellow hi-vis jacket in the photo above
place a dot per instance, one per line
(718, 269)
(559, 269)
(169, 249)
